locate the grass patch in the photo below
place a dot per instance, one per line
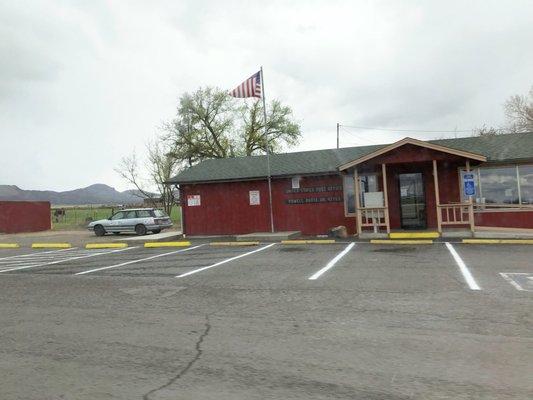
(78, 217)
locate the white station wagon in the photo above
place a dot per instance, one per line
(138, 220)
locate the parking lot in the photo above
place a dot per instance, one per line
(345, 320)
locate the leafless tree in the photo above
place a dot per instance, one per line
(161, 165)
(519, 112)
(488, 131)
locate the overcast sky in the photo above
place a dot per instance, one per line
(83, 83)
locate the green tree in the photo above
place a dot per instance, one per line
(212, 124)
(281, 129)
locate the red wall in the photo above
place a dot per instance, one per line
(505, 219)
(24, 216)
(313, 218)
(225, 208)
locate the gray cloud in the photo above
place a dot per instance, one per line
(84, 83)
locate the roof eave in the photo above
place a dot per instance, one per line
(251, 178)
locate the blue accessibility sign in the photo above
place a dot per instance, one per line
(469, 186)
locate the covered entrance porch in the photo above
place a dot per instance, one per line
(411, 185)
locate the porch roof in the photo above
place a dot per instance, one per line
(497, 149)
(415, 142)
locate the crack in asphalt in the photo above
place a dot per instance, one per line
(183, 371)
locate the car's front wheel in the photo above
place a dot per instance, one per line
(140, 230)
(99, 230)
(156, 231)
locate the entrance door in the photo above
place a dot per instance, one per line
(412, 201)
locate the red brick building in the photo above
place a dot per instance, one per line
(409, 184)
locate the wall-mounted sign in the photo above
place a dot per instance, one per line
(193, 200)
(332, 198)
(469, 186)
(313, 200)
(315, 189)
(255, 198)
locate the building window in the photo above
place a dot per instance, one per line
(499, 185)
(525, 172)
(296, 182)
(503, 185)
(349, 195)
(368, 183)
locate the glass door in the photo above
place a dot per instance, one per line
(412, 201)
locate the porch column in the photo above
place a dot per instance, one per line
(358, 218)
(471, 204)
(385, 196)
(437, 196)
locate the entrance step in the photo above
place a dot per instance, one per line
(268, 236)
(414, 235)
(365, 235)
(457, 234)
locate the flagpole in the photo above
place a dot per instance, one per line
(267, 152)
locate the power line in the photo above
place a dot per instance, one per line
(353, 134)
(405, 130)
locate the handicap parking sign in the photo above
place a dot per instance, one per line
(469, 186)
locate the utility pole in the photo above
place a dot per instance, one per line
(338, 126)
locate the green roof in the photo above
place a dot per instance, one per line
(497, 149)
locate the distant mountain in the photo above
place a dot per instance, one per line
(94, 194)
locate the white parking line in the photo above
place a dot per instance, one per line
(33, 253)
(472, 284)
(44, 257)
(63, 260)
(138, 260)
(332, 263)
(224, 261)
(507, 277)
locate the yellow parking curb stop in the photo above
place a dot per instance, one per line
(234, 243)
(167, 244)
(51, 246)
(414, 235)
(9, 246)
(396, 241)
(106, 245)
(312, 241)
(498, 241)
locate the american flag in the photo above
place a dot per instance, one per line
(251, 87)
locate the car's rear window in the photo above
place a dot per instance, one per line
(159, 213)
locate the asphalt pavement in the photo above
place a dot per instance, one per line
(206, 322)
